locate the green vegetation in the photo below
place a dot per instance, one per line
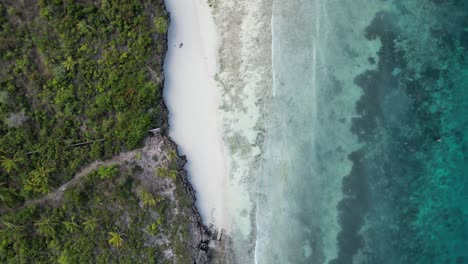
(115, 239)
(161, 25)
(106, 172)
(171, 170)
(165, 172)
(71, 72)
(101, 220)
(84, 72)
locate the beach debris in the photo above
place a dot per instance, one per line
(181, 44)
(153, 132)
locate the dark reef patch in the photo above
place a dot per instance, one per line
(353, 209)
(413, 130)
(375, 85)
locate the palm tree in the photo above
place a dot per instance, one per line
(38, 180)
(69, 64)
(71, 226)
(10, 164)
(64, 257)
(6, 193)
(147, 198)
(46, 226)
(12, 230)
(90, 224)
(115, 239)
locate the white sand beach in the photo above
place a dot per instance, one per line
(192, 96)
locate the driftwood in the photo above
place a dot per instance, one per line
(155, 131)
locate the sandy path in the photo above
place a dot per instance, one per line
(55, 198)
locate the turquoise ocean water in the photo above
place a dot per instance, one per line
(366, 149)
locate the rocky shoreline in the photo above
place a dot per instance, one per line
(203, 238)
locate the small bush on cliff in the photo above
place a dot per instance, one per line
(160, 25)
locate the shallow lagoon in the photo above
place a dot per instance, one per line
(366, 143)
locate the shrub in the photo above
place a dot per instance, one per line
(107, 172)
(160, 25)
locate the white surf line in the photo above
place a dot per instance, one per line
(192, 97)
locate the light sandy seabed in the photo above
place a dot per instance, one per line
(246, 80)
(192, 96)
